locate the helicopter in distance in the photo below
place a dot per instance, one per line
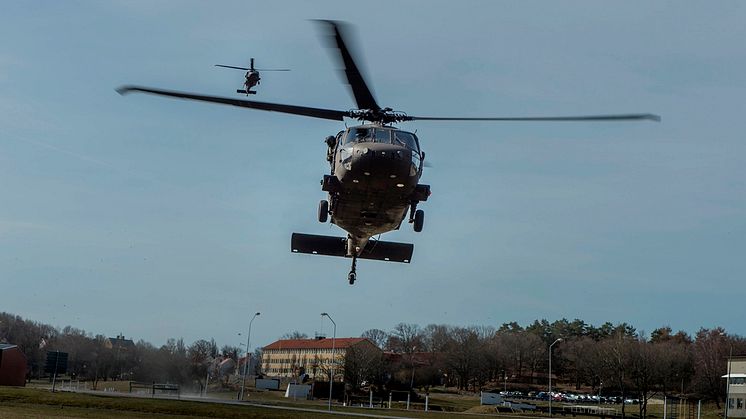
(252, 77)
(375, 168)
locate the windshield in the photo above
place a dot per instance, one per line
(406, 139)
(368, 134)
(381, 135)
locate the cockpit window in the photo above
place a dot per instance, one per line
(383, 136)
(366, 134)
(357, 135)
(406, 139)
(380, 135)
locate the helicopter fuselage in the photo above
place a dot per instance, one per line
(374, 178)
(251, 79)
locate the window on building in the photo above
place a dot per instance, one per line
(731, 404)
(739, 403)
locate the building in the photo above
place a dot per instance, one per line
(119, 342)
(13, 365)
(311, 357)
(737, 387)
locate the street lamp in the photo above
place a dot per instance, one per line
(550, 374)
(246, 365)
(331, 374)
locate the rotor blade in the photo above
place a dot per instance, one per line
(264, 106)
(230, 66)
(363, 96)
(272, 69)
(622, 117)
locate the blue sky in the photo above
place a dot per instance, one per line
(161, 218)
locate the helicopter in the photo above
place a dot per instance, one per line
(375, 168)
(251, 78)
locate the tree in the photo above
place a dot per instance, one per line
(200, 356)
(465, 355)
(405, 338)
(363, 363)
(645, 370)
(576, 354)
(614, 361)
(377, 336)
(677, 365)
(294, 335)
(711, 350)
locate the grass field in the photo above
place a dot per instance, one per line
(41, 403)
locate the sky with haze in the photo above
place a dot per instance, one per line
(162, 218)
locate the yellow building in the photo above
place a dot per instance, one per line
(296, 357)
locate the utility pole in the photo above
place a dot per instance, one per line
(331, 374)
(550, 375)
(246, 364)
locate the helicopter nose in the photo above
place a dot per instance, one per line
(381, 160)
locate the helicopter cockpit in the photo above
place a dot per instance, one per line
(381, 135)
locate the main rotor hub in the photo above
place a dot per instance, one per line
(381, 116)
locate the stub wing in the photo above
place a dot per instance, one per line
(337, 246)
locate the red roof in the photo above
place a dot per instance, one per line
(314, 343)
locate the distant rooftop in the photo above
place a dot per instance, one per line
(120, 341)
(323, 343)
(4, 346)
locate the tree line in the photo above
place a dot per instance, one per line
(612, 359)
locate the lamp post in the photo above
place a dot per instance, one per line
(550, 375)
(246, 364)
(331, 373)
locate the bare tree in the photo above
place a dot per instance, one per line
(200, 357)
(614, 362)
(578, 364)
(465, 355)
(645, 370)
(363, 363)
(294, 335)
(405, 338)
(377, 336)
(711, 349)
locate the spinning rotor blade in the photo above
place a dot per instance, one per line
(363, 96)
(230, 66)
(622, 117)
(331, 114)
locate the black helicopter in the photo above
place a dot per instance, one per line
(251, 78)
(375, 167)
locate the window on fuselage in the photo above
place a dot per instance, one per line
(367, 134)
(358, 135)
(383, 136)
(405, 139)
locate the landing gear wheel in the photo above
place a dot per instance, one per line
(419, 220)
(323, 211)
